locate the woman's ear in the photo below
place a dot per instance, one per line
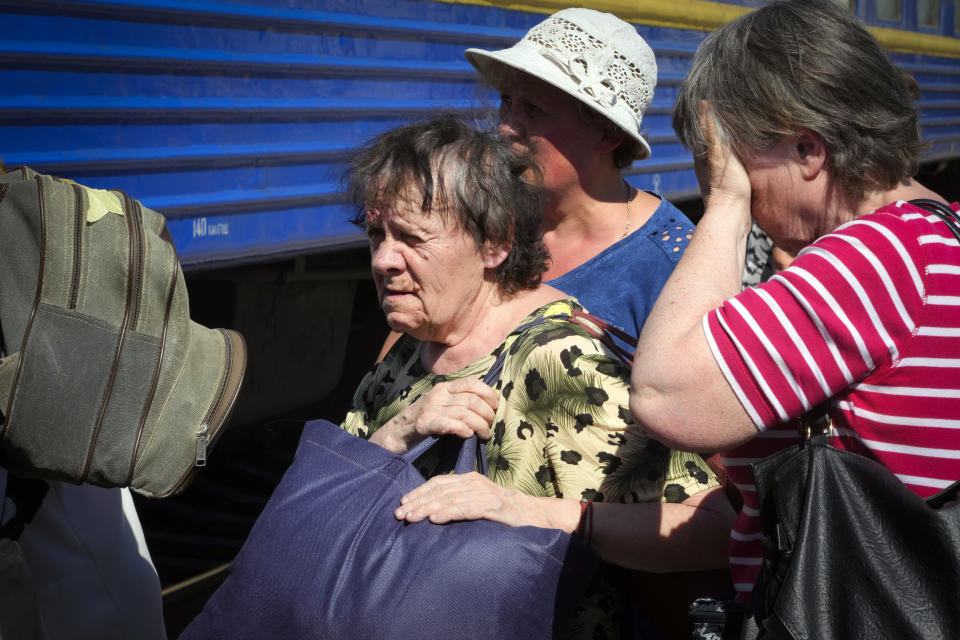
(810, 154)
(494, 255)
(608, 141)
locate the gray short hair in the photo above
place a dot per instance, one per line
(472, 178)
(806, 64)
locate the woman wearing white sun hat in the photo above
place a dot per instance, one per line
(574, 91)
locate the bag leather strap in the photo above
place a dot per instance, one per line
(942, 211)
(603, 331)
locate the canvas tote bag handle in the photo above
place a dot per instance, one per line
(473, 453)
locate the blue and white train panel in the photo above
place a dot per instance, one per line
(235, 118)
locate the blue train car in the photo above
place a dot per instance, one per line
(234, 118)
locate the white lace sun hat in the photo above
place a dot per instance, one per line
(595, 57)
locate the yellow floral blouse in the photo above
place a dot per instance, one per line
(562, 429)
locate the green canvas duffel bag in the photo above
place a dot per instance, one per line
(107, 380)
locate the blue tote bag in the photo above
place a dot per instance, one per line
(328, 559)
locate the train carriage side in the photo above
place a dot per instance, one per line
(235, 119)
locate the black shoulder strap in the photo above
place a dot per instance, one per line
(942, 211)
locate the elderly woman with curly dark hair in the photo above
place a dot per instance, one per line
(453, 219)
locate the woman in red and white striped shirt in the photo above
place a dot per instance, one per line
(798, 119)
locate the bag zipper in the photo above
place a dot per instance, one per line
(77, 248)
(217, 415)
(202, 439)
(156, 372)
(136, 246)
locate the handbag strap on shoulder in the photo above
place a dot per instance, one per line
(942, 211)
(604, 331)
(473, 449)
(473, 453)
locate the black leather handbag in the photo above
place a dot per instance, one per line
(850, 552)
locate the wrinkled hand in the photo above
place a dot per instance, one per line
(461, 408)
(468, 496)
(722, 177)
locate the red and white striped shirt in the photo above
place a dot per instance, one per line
(869, 318)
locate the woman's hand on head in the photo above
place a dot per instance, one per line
(460, 407)
(468, 496)
(722, 177)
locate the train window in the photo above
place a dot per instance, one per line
(888, 10)
(846, 4)
(928, 13)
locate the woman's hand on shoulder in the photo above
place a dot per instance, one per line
(459, 407)
(468, 496)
